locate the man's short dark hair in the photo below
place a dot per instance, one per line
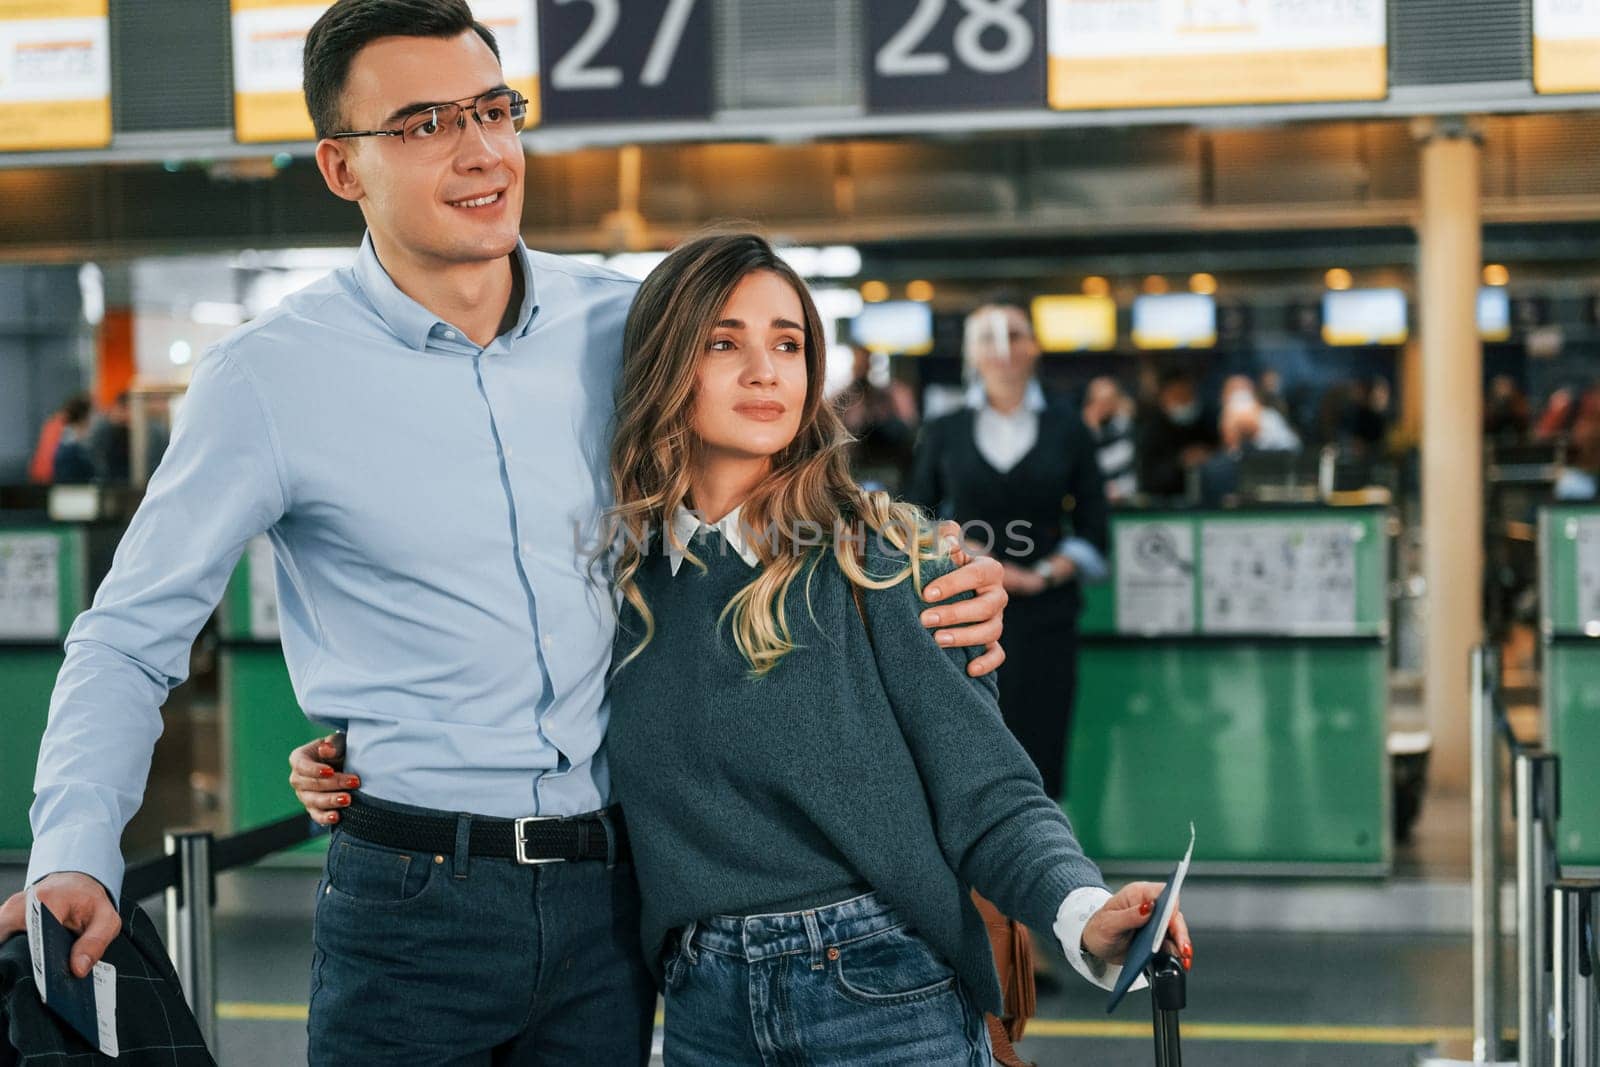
(350, 25)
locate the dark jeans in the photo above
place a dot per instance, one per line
(848, 984)
(444, 960)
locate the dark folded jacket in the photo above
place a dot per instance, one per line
(154, 1023)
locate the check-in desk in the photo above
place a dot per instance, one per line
(261, 718)
(1569, 581)
(1234, 672)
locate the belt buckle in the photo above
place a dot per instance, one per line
(522, 842)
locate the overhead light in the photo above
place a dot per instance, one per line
(92, 291)
(1496, 274)
(1338, 279)
(1155, 285)
(874, 292)
(1094, 285)
(1202, 283)
(920, 291)
(180, 353)
(829, 261)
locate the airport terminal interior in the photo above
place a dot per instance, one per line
(1319, 279)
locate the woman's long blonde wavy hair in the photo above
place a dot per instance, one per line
(809, 497)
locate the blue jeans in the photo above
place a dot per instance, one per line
(849, 983)
(450, 960)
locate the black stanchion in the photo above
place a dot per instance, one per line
(1169, 995)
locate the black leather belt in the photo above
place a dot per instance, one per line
(597, 835)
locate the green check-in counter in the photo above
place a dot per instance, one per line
(1233, 672)
(1569, 578)
(261, 718)
(44, 584)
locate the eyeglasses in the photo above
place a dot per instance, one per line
(500, 112)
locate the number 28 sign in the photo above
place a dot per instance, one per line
(954, 55)
(624, 60)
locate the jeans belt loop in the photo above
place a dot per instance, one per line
(686, 946)
(814, 939)
(463, 845)
(611, 838)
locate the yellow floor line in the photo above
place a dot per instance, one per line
(1192, 1031)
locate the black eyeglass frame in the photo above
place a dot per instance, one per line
(516, 102)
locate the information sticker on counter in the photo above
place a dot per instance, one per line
(1155, 577)
(30, 587)
(1292, 578)
(55, 75)
(1587, 535)
(262, 565)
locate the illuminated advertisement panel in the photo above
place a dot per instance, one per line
(55, 75)
(1566, 46)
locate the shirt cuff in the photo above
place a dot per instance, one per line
(1090, 563)
(1075, 913)
(81, 848)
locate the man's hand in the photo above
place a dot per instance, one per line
(1110, 931)
(314, 776)
(81, 904)
(974, 622)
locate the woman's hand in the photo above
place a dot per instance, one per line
(974, 622)
(1020, 581)
(314, 775)
(1110, 931)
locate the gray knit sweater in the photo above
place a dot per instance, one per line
(852, 765)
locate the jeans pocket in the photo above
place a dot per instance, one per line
(373, 875)
(892, 967)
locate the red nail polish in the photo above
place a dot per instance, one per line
(325, 772)
(1144, 909)
(345, 800)
(352, 783)
(1187, 963)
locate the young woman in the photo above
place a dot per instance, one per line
(811, 784)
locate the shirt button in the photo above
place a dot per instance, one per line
(449, 335)
(549, 640)
(509, 453)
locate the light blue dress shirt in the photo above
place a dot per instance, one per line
(431, 505)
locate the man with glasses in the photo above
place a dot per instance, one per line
(420, 435)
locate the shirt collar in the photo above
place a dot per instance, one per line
(414, 324)
(1032, 398)
(686, 526)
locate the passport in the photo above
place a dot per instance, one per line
(88, 1005)
(1149, 938)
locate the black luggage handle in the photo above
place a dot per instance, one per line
(1168, 996)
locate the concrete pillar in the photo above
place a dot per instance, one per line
(1450, 255)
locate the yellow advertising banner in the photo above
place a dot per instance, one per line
(1207, 53)
(55, 75)
(1566, 46)
(269, 39)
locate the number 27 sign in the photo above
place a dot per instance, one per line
(954, 55)
(623, 60)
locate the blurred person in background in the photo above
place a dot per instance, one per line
(1108, 415)
(881, 414)
(74, 461)
(109, 443)
(1505, 413)
(1024, 471)
(1556, 416)
(1269, 390)
(1174, 435)
(1272, 431)
(1580, 477)
(41, 468)
(1239, 429)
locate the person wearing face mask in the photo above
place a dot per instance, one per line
(1174, 437)
(1024, 471)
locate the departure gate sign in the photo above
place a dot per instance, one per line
(1566, 46)
(1205, 53)
(55, 75)
(269, 38)
(652, 61)
(954, 55)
